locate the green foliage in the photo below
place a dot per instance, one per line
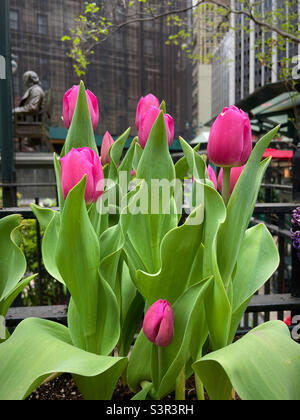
(51, 289)
(115, 265)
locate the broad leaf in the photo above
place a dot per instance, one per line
(240, 208)
(39, 348)
(178, 255)
(258, 260)
(12, 260)
(263, 365)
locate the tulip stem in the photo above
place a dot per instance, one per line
(180, 386)
(226, 185)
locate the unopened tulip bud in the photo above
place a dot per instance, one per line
(212, 176)
(230, 139)
(107, 142)
(76, 164)
(158, 323)
(69, 105)
(146, 124)
(143, 106)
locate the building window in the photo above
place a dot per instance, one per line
(42, 24)
(14, 19)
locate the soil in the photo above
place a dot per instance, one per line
(64, 388)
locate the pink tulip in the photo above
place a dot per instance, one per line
(107, 142)
(230, 140)
(234, 176)
(146, 124)
(76, 164)
(158, 323)
(143, 106)
(212, 176)
(69, 104)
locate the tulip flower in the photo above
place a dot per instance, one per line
(230, 140)
(107, 142)
(69, 104)
(158, 323)
(234, 176)
(144, 104)
(76, 164)
(212, 176)
(146, 124)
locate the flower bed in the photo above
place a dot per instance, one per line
(117, 245)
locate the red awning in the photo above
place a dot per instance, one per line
(279, 154)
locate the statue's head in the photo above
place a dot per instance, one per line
(30, 78)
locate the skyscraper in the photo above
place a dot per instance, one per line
(237, 67)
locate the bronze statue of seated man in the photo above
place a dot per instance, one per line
(31, 104)
(33, 98)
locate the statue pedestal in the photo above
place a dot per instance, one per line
(36, 170)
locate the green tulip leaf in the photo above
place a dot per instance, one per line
(258, 260)
(49, 245)
(57, 168)
(8, 300)
(218, 308)
(178, 250)
(12, 260)
(263, 365)
(174, 356)
(138, 151)
(43, 215)
(39, 348)
(78, 260)
(240, 208)
(153, 213)
(194, 160)
(115, 154)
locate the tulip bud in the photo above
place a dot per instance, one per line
(212, 176)
(69, 104)
(107, 142)
(146, 124)
(158, 323)
(143, 106)
(230, 140)
(234, 176)
(76, 164)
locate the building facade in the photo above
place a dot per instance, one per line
(206, 23)
(238, 68)
(131, 63)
